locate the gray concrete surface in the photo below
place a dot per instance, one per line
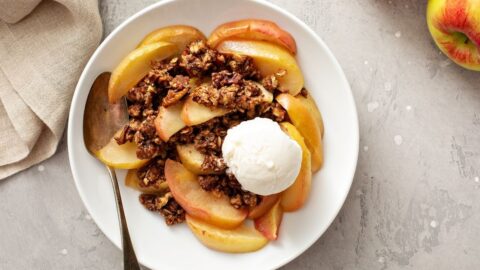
(415, 200)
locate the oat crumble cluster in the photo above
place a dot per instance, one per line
(215, 80)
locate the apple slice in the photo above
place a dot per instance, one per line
(120, 156)
(135, 66)
(253, 29)
(169, 120)
(180, 35)
(192, 159)
(239, 240)
(311, 105)
(199, 203)
(269, 59)
(295, 196)
(266, 204)
(132, 181)
(194, 113)
(305, 121)
(269, 224)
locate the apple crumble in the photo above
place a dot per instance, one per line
(229, 82)
(221, 129)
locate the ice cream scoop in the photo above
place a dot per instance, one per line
(261, 156)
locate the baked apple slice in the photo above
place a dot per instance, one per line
(296, 195)
(132, 181)
(270, 59)
(253, 29)
(239, 240)
(269, 224)
(180, 35)
(306, 123)
(169, 120)
(192, 159)
(120, 156)
(199, 203)
(311, 105)
(135, 66)
(266, 204)
(194, 113)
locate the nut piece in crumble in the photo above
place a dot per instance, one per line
(165, 205)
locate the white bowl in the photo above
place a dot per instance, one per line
(161, 247)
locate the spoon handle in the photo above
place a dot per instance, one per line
(130, 261)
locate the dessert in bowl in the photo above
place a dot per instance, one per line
(216, 126)
(158, 245)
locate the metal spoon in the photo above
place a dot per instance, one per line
(101, 120)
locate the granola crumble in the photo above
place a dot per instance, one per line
(226, 184)
(165, 205)
(152, 174)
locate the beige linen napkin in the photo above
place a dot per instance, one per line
(43, 48)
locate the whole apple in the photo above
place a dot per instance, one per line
(455, 27)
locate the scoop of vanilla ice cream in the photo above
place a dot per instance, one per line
(261, 156)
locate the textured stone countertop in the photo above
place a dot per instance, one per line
(415, 200)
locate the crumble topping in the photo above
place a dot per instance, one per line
(152, 174)
(179, 87)
(214, 163)
(227, 184)
(304, 92)
(165, 205)
(230, 92)
(198, 59)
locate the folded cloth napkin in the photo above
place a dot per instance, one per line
(43, 48)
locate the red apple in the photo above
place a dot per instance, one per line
(455, 27)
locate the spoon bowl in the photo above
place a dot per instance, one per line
(101, 119)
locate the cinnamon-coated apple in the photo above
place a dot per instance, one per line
(132, 181)
(239, 240)
(295, 196)
(455, 27)
(180, 35)
(270, 59)
(253, 29)
(135, 66)
(269, 223)
(169, 120)
(199, 203)
(305, 121)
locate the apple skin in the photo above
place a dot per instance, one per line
(455, 27)
(199, 203)
(237, 240)
(253, 29)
